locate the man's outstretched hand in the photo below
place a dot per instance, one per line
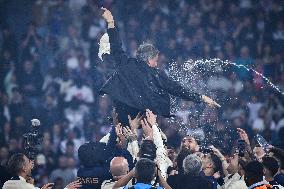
(210, 102)
(108, 17)
(74, 185)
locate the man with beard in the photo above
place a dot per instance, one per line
(189, 145)
(137, 84)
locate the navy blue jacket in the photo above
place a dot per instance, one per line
(93, 177)
(279, 178)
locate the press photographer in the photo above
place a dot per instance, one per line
(20, 165)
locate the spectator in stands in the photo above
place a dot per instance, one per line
(62, 46)
(62, 172)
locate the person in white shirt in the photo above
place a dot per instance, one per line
(20, 167)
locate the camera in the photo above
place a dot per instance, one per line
(241, 148)
(33, 139)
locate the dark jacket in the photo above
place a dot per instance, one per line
(211, 179)
(188, 181)
(279, 178)
(140, 86)
(93, 177)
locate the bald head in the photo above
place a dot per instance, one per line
(118, 167)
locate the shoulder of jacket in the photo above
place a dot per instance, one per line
(240, 184)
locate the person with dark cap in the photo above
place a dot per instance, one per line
(253, 176)
(137, 84)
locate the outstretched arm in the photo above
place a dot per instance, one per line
(116, 50)
(175, 88)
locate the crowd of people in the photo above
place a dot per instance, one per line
(50, 70)
(122, 159)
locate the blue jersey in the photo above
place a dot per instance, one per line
(142, 186)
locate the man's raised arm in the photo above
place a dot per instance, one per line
(116, 50)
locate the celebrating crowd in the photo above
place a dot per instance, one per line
(50, 70)
(122, 159)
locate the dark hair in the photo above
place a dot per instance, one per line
(196, 137)
(271, 164)
(148, 150)
(180, 157)
(145, 170)
(16, 163)
(279, 155)
(254, 171)
(92, 153)
(146, 51)
(216, 162)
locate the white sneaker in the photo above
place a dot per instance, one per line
(104, 46)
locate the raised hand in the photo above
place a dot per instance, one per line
(48, 186)
(107, 15)
(135, 123)
(210, 102)
(30, 180)
(217, 152)
(129, 135)
(147, 129)
(243, 135)
(151, 118)
(121, 137)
